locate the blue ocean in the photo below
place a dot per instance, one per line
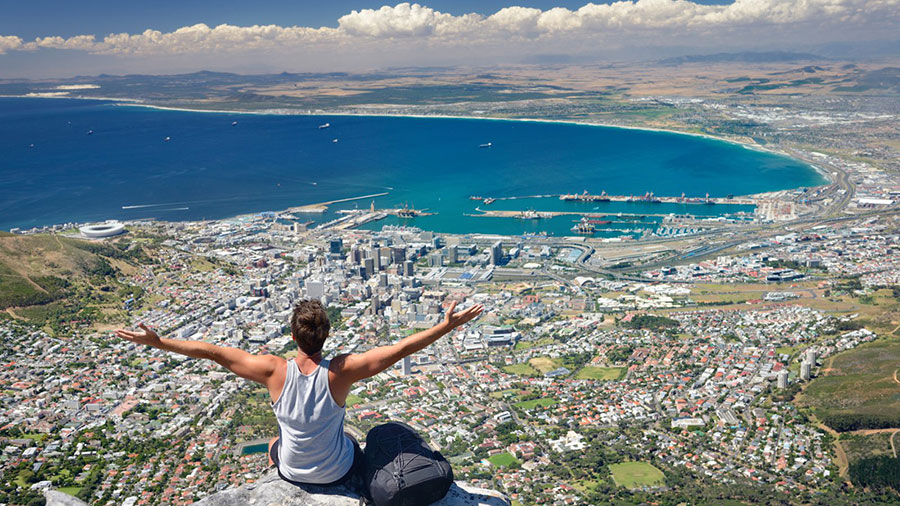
(67, 160)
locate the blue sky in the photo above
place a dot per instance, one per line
(29, 19)
(48, 38)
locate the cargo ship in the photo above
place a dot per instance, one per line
(584, 227)
(585, 197)
(407, 212)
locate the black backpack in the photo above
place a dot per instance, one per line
(402, 470)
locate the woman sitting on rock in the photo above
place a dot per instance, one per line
(308, 392)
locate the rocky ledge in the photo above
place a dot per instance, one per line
(271, 490)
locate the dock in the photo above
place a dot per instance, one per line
(322, 206)
(551, 214)
(648, 198)
(352, 218)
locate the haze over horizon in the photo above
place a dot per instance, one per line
(279, 36)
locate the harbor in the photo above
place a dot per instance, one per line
(647, 220)
(648, 197)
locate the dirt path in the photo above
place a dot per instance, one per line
(840, 455)
(26, 278)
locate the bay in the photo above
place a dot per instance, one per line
(67, 160)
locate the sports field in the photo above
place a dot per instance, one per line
(544, 364)
(543, 402)
(504, 459)
(600, 373)
(520, 370)
(636, 475)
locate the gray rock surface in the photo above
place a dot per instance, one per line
(57, 498)
(270, 490)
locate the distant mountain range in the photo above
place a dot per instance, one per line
(744, 57)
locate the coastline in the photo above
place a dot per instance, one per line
(322, 206)
(277, 112)
(134, 102)
(297, 112)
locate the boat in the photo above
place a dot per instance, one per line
(489, 201)
(324, 125)
(649, 197)
(234, 123)
(585, 197)
(475, 197)
(167, 139)
(600, 222)
(334, 140)
(530, 214)
(407, 212)
(584, 227)
(487, 145)
(90, 132)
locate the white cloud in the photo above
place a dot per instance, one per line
(642, 21)
(9, 42)
(79, 42)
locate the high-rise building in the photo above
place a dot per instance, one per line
(375, 255)
(355, 254)
(805, 370)
(452, 254)
(315, 289)
(496, 253)
(783, 378)
(369, 266)
(436, 259)
(399, 254)
(336, 246)
(408, 268)
(384, 256)
(407, 366)
(811, 356)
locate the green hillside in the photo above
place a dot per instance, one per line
(58, 282)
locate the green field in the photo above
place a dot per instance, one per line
(857, 382)
(787, 350)
(542, 402)
(524, 345)
(504, 459)
(353, 399)
(72, 491)
(601, 373)
(545, 364)
(520, 370)
(503, 393)
(636, 475)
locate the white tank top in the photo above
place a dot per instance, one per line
(312, 445)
